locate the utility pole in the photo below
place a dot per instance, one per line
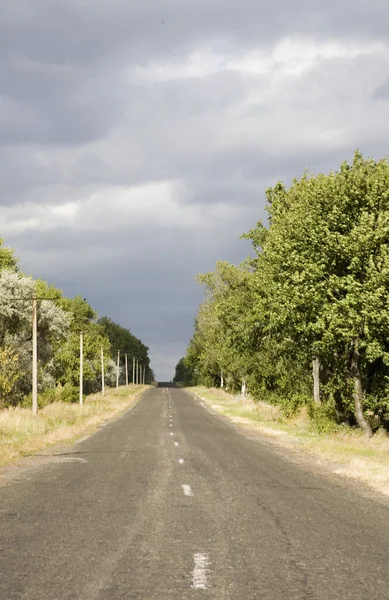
(117, 370)
(102, 372)
(81, 366)
(133, 371)
(34, 358)
(126, 357)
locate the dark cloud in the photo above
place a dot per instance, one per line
(137, 138)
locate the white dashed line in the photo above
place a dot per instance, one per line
(170, 425)
(187, 490)
(172, 434)
(181, 461)
(200, 571)
(176, 444)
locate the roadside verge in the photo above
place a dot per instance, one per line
(23, 434)
(345, 452)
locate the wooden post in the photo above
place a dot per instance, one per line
(126, 357)
(102, 372)
(34, 357)
(117, 370)
(81, 367)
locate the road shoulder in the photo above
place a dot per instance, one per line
(360, 462)
(46, 444)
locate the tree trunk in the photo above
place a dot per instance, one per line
(358, 390)
(221, 380)
(243, 387)
(316, 380)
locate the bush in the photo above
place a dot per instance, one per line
(291, 405)
(70, 393)
(323, 417)
(48, 397)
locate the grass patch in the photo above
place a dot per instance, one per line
(354, 455)
(22, 433)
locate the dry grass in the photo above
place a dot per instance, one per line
(347, 451)
(22, 433)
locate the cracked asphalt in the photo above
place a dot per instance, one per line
(173, 502)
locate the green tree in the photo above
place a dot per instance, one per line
(123, 340)
(8, 259)
(312, 303)
(9, 374)
(326, 264)
(183, 373)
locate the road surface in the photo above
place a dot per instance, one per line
(172, 502)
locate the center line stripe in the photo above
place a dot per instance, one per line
(181, 461)
(200, 571)
(176, 443)
(187, 490)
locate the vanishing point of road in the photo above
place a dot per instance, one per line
(171, 502)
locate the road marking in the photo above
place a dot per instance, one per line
(200, 571)
(172, 434)
(187, 490)
(176, 444)
(181, 461)
(170, 425)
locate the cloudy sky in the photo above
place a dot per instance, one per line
(137, 137)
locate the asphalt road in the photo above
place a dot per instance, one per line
(171, 502)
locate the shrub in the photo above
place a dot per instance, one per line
(70, 393)
(323, 417)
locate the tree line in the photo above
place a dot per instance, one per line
(59, 323)
(306, 320)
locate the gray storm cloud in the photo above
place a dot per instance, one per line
(137, 138)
